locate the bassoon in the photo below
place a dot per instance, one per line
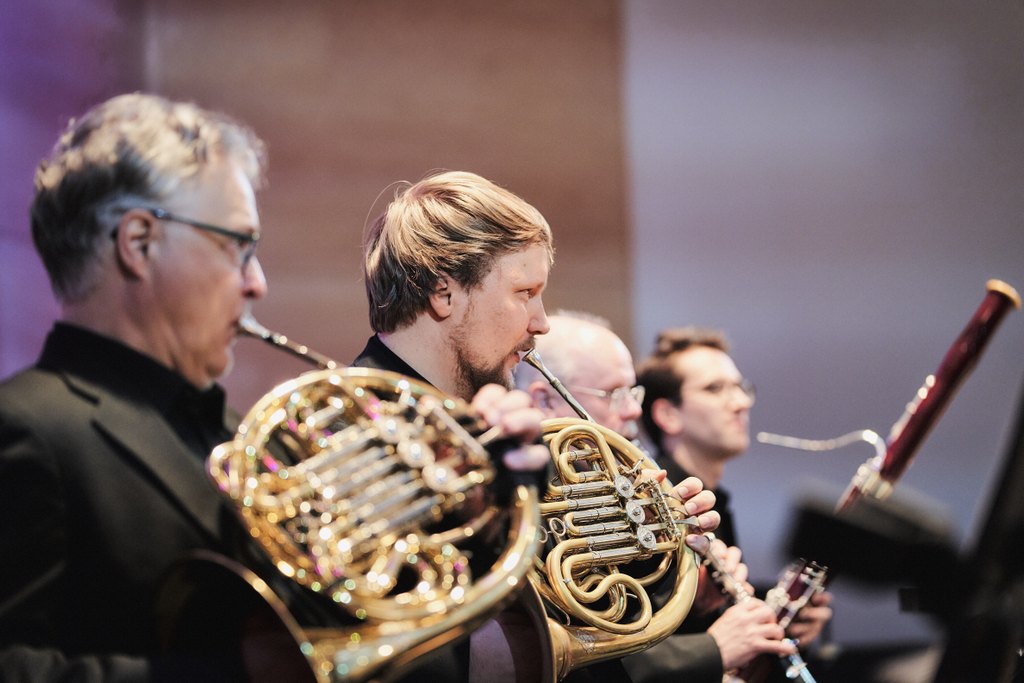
(877, 477)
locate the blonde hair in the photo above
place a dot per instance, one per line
(451, 224)
(127, 151)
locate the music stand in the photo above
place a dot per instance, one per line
(987, 632)
(978, 596)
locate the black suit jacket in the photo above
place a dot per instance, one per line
(98, 497)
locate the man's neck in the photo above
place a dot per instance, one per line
(422, 347)
(96, 314)
(128, 324)
(707, 468)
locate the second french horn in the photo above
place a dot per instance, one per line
(612, 533)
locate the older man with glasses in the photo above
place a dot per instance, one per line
(596, 368)
(145, 217)
(245, 242)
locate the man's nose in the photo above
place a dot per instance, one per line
(254, 281)
(740, 398)
(539, 320)
(631, 408)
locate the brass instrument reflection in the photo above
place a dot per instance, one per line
(611, 535)
(362, 488)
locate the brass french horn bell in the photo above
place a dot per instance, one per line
(363, 486)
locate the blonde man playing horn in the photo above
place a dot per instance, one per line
(455, 270)
(597, 369)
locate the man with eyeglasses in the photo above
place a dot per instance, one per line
(596, 367)
(145, 217)
(696, 412)
(697, 408)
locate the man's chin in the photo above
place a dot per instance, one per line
(477, 379)
(222, 367)
(739, 448)
(509, 380)
(503, 375)
(630, 431)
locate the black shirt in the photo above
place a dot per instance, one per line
(379, 357)
(726, 531)
(196, 416)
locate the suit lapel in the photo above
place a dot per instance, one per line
(148, 438)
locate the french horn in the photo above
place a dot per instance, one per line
(363, 489)
(611, 534)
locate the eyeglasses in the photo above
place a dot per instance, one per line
(726, 390)
(616, 397)
(245, 241)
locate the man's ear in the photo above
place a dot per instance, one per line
(666, 415)
(132, 237)
(541, 393)
(441, 298)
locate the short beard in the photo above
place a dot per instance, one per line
(472, 378)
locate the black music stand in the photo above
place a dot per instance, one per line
(987, 633)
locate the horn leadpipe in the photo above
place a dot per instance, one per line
(533, 358)
(248, 325)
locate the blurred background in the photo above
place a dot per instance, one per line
(831, 182)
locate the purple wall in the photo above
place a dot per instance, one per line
(56, 59)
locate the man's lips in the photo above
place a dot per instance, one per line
(524, 349)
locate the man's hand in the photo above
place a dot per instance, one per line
(513, 413)
(746, 630)
(697, 503)
(710, 595)
(811, 619)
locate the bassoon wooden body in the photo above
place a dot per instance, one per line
(877, 477)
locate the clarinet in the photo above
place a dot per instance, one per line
(794, 665)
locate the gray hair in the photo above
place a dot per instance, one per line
(130, 150)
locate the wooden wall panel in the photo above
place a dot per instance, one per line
(354, 96)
